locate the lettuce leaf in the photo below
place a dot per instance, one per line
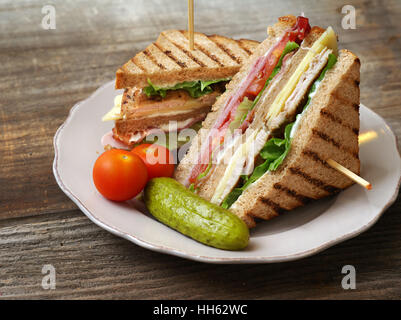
(241, 113)
(205, 84)
(274, 152)
(195, 89)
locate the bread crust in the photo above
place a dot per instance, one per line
(169, 61)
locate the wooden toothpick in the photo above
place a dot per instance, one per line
(349, 174)
(191, 23)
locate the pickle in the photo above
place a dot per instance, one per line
(172, 204)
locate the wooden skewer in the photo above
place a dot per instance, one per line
(191, 24)
(349, 174)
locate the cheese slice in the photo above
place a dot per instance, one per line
(115, 112)
(327, 39)
(236, 163)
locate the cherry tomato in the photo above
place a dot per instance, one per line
(158, 159)
(119, 175)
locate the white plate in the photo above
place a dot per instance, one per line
(294, 235)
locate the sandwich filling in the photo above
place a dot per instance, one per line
(141, 112)
(281, 113)
(195, 89)
(276, 149)
(238, 111)
(267, 142)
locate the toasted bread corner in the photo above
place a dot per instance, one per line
(169, 60)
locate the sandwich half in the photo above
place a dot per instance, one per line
(293, 105)
(168, 82)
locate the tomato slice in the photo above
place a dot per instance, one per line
(296, 34)
(255, 87)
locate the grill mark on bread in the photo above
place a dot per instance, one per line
(210, 55)
(326, 138)
(227, 51)
(139, 65)
(292, 193)
(343, 100)
(275, 206)
(207, 53)
(330, 140)
(169, 54)
(316, 182)
(314, 156)
(240, 43)
(153, 59)
(338, 120)
(189, 54)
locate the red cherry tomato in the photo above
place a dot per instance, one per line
(119, 175)
(158, 159)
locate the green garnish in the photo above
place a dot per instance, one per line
(195, 89)
(204, 173)
(274, 152)
(192, 187)
(241, 112)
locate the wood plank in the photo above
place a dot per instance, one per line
(93, 264)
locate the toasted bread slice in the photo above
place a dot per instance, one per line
(169, 61)
(328, 129)
(277, 30)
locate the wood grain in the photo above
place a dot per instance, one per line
(45, 72)
(93, 264)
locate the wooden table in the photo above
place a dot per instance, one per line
(44, 73)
